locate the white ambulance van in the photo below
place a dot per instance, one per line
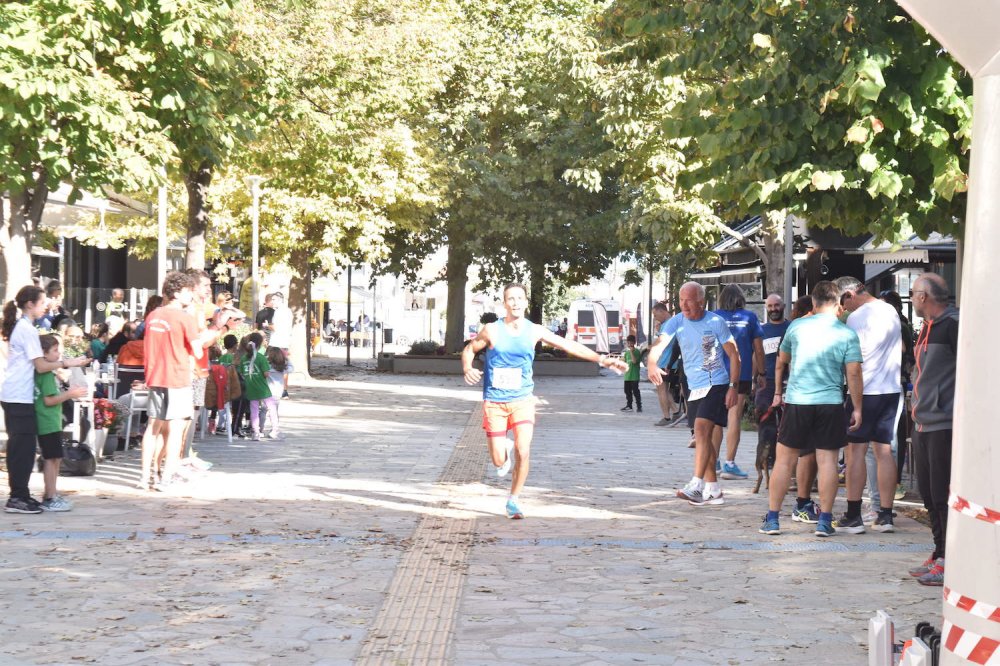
(596, 324)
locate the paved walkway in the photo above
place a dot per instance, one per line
(375, 534)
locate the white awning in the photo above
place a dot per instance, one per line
(897, 257)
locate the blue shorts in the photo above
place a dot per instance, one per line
(878, 418)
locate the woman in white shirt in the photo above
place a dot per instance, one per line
(17, 395)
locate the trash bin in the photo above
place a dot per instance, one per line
(385, 362)
(387, 336)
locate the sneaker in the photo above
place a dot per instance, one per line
(275, 436)
(900, 492)
(850, 525)
(869, 517)
(806, 514)
(883, 523)
(824, 529)
(626, 408)
(692, 443)
(255, 437)
(934, 575)
(917, 572)
(503, 469)
(771, 526)
(638, 409)
(18, 505)
(662, 422)
(732, 471)
(690, 494)
(56, 503)
(513, 510)
(709, 500)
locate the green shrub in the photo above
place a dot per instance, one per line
(424, 348)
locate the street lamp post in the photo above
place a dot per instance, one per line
(254, 182)
(161, 233)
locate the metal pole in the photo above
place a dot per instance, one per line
(789, 264)
(374, 315)
(350, 322)
(161, 235)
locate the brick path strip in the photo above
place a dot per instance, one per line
(416, 623)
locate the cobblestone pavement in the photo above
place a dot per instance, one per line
(375, 534)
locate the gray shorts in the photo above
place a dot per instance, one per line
(171, 404)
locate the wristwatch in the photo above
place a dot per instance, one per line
(733, 384)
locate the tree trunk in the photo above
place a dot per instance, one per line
(17, 234)
(298, 301)
(536, 299)
(457, 274)
(772, 234)
(197, 182)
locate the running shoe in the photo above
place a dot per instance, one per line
(884, 523)
(917, 572)
(732, 471)
(935, 575)
(513, 510)
(275, 436)
(638, 409)
(850, 525)
(900, 492)
(824, 529)
(18, 505)
(708, 500)
(503, 469)
(690, 493)
(255, 437)
(806, 514)
(662, 422)
(626, 408)
(770, 526)
(869, 517)
(56, 503)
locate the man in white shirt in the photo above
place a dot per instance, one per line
(281, 329)
(877, 325)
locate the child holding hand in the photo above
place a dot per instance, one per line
(48, 415)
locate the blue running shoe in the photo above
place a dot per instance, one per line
(732, 471)
(514, 511)
(824, 529)
(806, 514)
(770, 526)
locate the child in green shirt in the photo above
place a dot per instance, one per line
(48, 415)
(253, 367)
(632, 357)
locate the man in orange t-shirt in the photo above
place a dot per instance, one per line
(170, 342)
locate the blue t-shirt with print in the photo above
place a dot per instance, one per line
(772, 338)
(745, 328)
(701, 343)
(820, 345)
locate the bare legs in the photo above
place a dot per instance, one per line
(733, 433)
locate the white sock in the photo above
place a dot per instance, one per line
(512, 498)
(712, 489)
(696, 483)
(731, 462)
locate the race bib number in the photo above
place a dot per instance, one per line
(698, 394)
(507, 378)
(771, 345)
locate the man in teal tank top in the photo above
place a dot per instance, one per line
(508, 384)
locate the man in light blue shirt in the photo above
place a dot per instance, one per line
(705, 340)
(819, 350)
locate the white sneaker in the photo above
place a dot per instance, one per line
(504, 469)
(56, 503)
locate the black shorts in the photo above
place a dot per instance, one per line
(810, 427)
(711, 407)
(878, 418)
(51, 445)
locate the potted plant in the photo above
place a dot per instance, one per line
(108, 416)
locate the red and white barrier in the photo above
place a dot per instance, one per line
(977, 511)
(970, 646)
(970, 605)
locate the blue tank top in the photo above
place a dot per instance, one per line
(509, 362)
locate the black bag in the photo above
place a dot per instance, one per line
(78, 460)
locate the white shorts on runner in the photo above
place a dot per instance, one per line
(171, 404)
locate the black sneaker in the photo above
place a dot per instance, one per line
(626, 408)
(18, 505)
(850, 525)
(638, 410)
(884, 522)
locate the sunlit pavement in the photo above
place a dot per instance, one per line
(375, 534)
